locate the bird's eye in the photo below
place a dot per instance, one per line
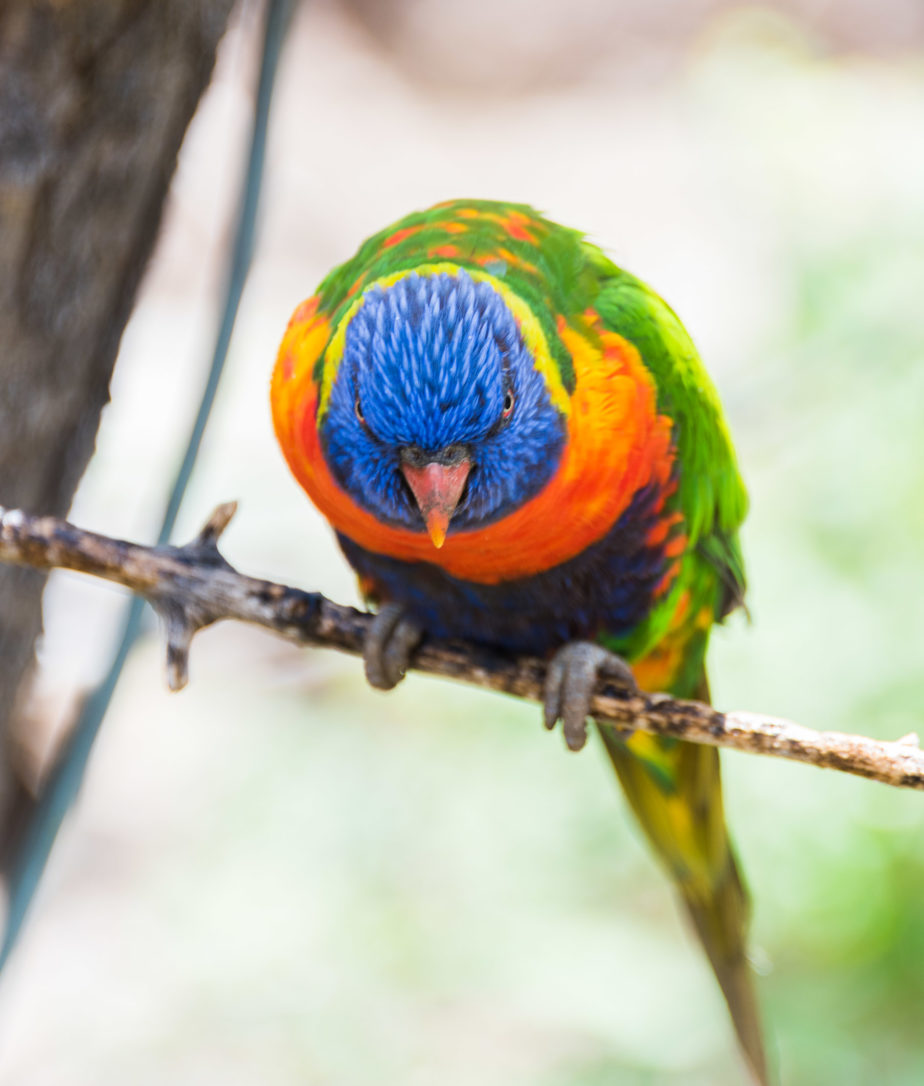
(508, 404)
(357, 406)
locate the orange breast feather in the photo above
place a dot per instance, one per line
(616, 444)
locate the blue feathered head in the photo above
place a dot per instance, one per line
(437, 411)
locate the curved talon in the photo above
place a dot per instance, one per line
(569, 686)
(389, 646)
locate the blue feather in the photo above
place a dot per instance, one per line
(608, 587)
(427, 363)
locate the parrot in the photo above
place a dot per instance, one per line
(516, 444)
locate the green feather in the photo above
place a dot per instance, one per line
(674, 787)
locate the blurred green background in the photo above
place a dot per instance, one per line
(281, 876)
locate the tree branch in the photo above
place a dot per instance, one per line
(193, 586)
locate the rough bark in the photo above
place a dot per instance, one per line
(95, 97)
(193, 586)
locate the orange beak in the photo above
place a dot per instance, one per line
(437, 489)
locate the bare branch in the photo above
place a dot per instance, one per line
(193, 586)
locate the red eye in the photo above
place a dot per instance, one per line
(508, 404)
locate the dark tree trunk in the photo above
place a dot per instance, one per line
(95, 97)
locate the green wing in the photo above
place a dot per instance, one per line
(675, 788)
(711, 494)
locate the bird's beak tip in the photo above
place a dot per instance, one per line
(437, 489)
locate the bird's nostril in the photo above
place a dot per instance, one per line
(452, 455)
(415, 456)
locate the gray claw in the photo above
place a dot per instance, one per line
(569, 686)
(389, 646)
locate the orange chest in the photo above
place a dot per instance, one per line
(617, 444)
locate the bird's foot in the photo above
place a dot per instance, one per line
(569, 686)
(389, 646)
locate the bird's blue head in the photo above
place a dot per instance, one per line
(437, 412)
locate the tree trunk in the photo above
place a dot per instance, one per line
(95, 97)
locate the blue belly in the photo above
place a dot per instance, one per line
(608, 588)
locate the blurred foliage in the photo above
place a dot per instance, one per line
(834, 449)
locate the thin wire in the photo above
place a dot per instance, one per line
(65, 778)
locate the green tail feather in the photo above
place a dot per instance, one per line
(721, 922)
(675, 790)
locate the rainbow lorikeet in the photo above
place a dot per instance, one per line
(517, 444)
